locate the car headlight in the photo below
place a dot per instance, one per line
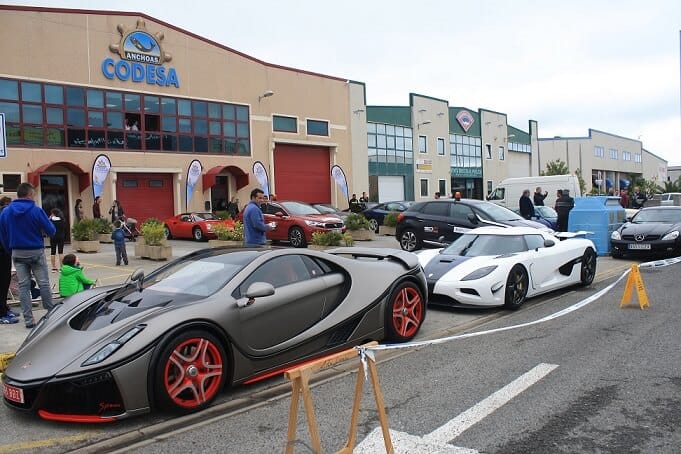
(615, 235)
(314, 223)
(482, 272)
(209, 227)
(671, 236)
(111, 347)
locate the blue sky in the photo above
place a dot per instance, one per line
(611, 66)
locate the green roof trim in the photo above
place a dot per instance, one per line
(390, 115)
(455, 127)
(520, 136)
(413, 95)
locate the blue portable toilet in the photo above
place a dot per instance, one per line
(600, 215)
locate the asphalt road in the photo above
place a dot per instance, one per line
(269, 396)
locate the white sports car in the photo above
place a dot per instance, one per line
(493, 266)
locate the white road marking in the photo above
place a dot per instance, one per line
(437, 441)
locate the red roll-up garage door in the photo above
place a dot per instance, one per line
(302, 173)
(145, 195)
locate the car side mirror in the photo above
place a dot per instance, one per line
(137, 277)
(549, 243)
(256, 290)
(472, 218)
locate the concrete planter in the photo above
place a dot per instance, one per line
(385, 230)
(220, 243)
(86, 246)
(145, 251)
(318, 247)
(362, 235)
(104, 238)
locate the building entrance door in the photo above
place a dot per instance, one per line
(54, 194)
(219, 193)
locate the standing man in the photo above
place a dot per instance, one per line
(437, 195)
(355, 207)
(255, 228)
(7, 317)
(22, 224)
(526, 207)
(624, 198)
(564, 204)
(96, 212)
(539, 197)
(638, 199)
(364, 200)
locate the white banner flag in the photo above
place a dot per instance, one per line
(261, 175)
(193, 174)
(100, 170)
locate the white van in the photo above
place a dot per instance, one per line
(508, 192)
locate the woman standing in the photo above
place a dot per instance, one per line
(78, 210)
(57, 240)
(116, 212)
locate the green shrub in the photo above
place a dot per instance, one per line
(331, 239)
(103, 225)
(222, 215)
(151, 221)
(226, 232)
(85, 230)
(357, 221)
(390, 219)
(154, 233)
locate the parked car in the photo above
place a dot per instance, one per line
(327, 208)
(437, 222)
(376, 214)
(495, 266)
(196, 225)
(651, 231)
(214, 317)
(667, 199)
(547, 216)
(296, 221)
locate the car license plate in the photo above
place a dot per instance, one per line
(639, 246)
(14, 394)
(337, 230)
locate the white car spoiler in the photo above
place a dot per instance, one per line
(566, 235)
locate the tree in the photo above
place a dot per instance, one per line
(556, 167)
(582, 183)
(671, 186)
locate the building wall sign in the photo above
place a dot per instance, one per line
(142, 58)
(424, 165)
(465, 119)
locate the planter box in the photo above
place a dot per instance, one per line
(317, 247)
(362, 235)
(153, 252)
(219, 243)
(86, 246)
(104, 238)
(385, 230)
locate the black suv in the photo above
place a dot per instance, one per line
(435, 222)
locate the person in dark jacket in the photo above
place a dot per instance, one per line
(539, 197)
(7, 317)
(116, 212)
(22, 225)
(96, 209)
(526, 206)
(72, 279)
(564, 204)
(57, 240)
(638, 198)
(118, 237)
(78, 211)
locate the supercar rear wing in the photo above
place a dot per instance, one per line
(407, 259)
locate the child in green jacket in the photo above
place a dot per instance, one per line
(72, 279)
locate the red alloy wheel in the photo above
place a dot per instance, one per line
(407, 309)
(193, 372)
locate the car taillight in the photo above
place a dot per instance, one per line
(400, 217)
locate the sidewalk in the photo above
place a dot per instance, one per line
(101, 266)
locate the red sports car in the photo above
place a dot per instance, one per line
(197, 225)
(296, 221)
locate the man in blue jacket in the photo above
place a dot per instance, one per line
(255, 228)
(22, 224)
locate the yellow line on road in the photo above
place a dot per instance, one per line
(47, 442)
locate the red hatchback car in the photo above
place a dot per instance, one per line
(296, 221)
(196, 225)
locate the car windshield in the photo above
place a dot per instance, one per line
(325, 209)
(660, 215)
(299, 208)
(199, 275)
(545, 212)
(205, 217)
(494, 212)
(471, 245)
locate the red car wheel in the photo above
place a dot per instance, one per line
(191, 371)
(405, 312)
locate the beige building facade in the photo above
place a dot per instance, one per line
(153, 99)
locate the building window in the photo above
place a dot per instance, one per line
(489, 186)
(424, 187)
(465, 155)
(389, 143)
(613, 153)
(440, 146)
(626, 156)
(55, 115)
(637, 157)
(317, 128)
(423, 144)
(501, 153)
(10, 182)
(442, 187)
(488, 151)
(599, 152)
(284, 124)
